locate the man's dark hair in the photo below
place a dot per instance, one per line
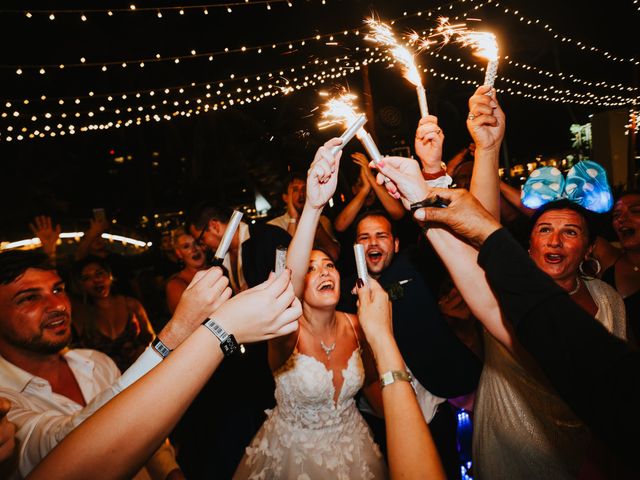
(200, 215)
(302, 176)
(565, 204)
(624, 193)
(377, 213)
(15, 262)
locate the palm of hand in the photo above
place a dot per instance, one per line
(318, 193)
(408, 179)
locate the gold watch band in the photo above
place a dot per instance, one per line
(393, 376)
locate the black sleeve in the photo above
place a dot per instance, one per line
(259, 252)
(597, 374)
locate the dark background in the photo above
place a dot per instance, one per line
(228, 155)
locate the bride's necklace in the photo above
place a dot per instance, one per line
(328, 348)
(575, 290)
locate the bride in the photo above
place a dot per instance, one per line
(315, 430)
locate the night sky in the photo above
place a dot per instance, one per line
(227, 155)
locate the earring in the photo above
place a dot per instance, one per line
(593, 272)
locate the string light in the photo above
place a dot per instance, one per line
(133, 8)
(563, 38)
(35, 241)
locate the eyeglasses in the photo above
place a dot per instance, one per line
(200, 238)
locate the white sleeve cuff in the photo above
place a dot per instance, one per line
(144, 364)
(441, 182)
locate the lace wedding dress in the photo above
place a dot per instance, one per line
(307, 436)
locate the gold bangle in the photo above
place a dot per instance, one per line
(393, 376)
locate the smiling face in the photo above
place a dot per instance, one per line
(322, 282)
(35, 313)
(96, 281)
(380, 246)
(626, 221)
(189, 251)
(559, 242)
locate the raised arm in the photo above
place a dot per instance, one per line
(459, 257)
(118, 439)
(322, 180)
(486, 124)
(96, 228)
(512, 195)
(411, 451)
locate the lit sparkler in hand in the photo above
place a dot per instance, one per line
(381, 33)
(483, 43)
(341, 110)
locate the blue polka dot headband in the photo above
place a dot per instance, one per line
(586, 184)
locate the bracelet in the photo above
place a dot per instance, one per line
(160, 348)
(432, 176)
(393, 376)
(293, 220)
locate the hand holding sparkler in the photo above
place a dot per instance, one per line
(405, 180)
(428, 144)
(486, 120)
(322, 177)
(381, 33)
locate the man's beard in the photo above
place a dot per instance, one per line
(37, 343)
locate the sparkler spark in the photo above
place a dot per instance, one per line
(339, 110)
(381, 33)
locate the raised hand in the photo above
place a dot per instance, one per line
(97, 227)
(208, 290)
(263, 312)
(374, 312)
(48, 235)
(464, 215)
(405, 179)
(322, 177)
(366, 175)
(486, 120)
(428, 144)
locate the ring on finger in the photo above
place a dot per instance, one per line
(471, 116)
(438, 132)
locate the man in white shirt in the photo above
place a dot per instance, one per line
(294, 199)
(52, 388)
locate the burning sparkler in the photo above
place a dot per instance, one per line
(341, 110)
(483, 43)
(381, 33)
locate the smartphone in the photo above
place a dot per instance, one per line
(100, 215)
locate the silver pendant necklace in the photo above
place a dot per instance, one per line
(328, 348)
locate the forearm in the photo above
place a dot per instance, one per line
(300, 247)
(349, 213)
(460, 259)
(393, 207)
(123, 429)
(411, 451)
(485, 182)
(512, 195)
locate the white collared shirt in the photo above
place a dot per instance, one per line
(237, 284)
(43, 418)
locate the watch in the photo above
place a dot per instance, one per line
(228, 343)
(393, 376)
(160, 348)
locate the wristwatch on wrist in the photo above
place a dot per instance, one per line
(228, 343)
(160, 348)
(393, 376)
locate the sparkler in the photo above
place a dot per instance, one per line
(381, 33)
(281, 260)
(229, 232)
(361, 263)
(341, 110)
(483, 43)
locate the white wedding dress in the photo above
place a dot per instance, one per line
(307, 436)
